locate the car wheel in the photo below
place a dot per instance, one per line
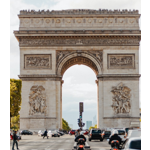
(101, 140)
(89, 139)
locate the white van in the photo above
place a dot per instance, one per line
(134, 133)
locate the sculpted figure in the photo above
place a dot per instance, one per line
(31, 111)
(121, 99)
(37, 100)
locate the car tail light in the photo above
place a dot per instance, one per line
(117, 141)
(90, 134)
(115, 149)
(81, 146)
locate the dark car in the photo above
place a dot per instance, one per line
(54, 134)
(95, 134)
(106, 134)
(61, 133)
(26, 132)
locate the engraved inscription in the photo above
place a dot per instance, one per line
(37, 61)
(121, 61)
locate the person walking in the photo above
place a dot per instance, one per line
(11, 135)
(15, 138)
(45, 134)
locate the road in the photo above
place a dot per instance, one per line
(66, 142)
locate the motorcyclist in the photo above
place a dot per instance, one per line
(115, 136)
(80, 136)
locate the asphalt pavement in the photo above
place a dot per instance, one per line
(66, 142)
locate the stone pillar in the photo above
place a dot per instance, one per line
(100, 103)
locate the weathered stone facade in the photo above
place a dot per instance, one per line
(52, 41)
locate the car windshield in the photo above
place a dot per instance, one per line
(107, 132)
(135, 144)
(96, 131)
(121, 132)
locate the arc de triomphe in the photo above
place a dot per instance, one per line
(52, 41)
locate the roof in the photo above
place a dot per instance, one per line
(134, 138)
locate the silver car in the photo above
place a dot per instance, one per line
(132, 144)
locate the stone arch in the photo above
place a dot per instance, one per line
(78, 58)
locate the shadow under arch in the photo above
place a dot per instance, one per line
(79, 58)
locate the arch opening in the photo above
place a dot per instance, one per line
(80, 60)
(78, 87)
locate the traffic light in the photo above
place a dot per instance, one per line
(78, 121)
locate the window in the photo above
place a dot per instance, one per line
(135, 144)
(107, 132)
(121, 132)
(96, 131)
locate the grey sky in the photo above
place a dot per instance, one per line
(79, 82)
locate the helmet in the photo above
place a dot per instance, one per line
(115, 132)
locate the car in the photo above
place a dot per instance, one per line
(72, 132)
(133, 133)
(106, 134)
(86, 132)
(61, 133)
(40, 133)
(26, 132)
(54, 134)
(133, 143)
(95, 134)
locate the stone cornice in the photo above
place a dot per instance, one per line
(117, 75)
(77, 32)
(39, 76)
(109, 76)
(84, 12)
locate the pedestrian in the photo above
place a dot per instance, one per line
(45, 134)
(11, 134)
(15, 139)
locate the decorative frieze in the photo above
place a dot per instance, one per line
(121, 61)
(37, 61)
(121, 99)
(125, 23)
(37, 100)
(78, 41)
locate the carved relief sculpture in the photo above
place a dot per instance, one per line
(37, 61)
(37, 100)
(121, 99)
(121, 61)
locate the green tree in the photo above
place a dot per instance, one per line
(15, 122)
(65, 125)
(15, 97)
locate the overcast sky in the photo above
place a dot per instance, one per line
(79, 81)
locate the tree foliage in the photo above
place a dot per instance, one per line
(65, 125)
(15, 122)
(15, 97)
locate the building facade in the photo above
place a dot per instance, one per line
(52, 41)
(88, 124)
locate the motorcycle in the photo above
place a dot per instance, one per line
(80, 142)
(115, 145)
